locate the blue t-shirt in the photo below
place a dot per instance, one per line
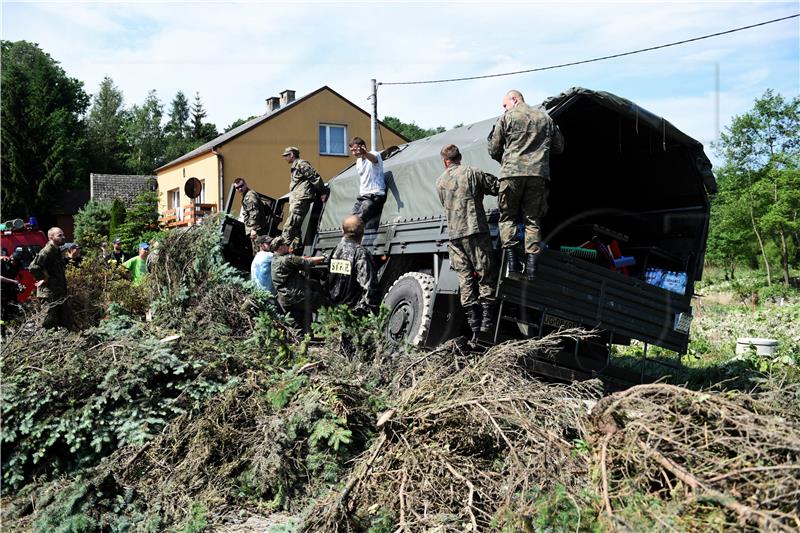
(261, 270)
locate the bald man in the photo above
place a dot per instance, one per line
(521, 141)
(48, 268)
(352, 273)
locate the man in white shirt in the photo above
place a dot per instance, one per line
(372, 187)
(261, 268)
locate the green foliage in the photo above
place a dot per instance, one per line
(144, 134)
(105, 124)
(141, 221)
(757, 209)
(358, 336)
(411, 131)
(238, 122)
(115, 386)
(43, 133)
(95, 286)
(92, 224)
(557, 509)
(118, 214)
(197, 522)
(201, 131)
(283, 391)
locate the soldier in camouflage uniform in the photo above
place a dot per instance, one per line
(304, 187)
(297, 293)
(521, 141)
(253, 212)
(50, 270)
(352, 273)
(461, 190)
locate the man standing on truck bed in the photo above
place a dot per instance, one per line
(49, 269)
(372, 184)
(521, 141)
(255, 218)
(461, 190)
(304, 186)
(352, 274)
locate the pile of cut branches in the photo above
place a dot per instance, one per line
(468, 440)
(699, 460)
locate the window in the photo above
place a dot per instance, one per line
(202, 198)
(332, 139)
(174, 202)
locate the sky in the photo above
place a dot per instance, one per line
(238, 54)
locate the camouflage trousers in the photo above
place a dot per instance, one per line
(58, 312)
(528, 195)
(471, 260)
(293, 228)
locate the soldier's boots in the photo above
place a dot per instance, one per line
(512, 261)
(474, 319)
(530, 266)
(486, 319)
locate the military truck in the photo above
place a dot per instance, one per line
(625, 235)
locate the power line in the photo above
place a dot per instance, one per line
(562, 65)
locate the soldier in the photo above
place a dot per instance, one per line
(297, 293)
(305, 185)
(461, 190)
(352, 273)
(521, 141)
(49, 269)
(255, 219)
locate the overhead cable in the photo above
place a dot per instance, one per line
(562, 65)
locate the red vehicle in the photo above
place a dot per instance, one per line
(15, 236)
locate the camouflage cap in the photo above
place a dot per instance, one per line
(277, 242)
(290, 149)
(263, 239)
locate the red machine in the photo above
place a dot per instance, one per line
(16, 235)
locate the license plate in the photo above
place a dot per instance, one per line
(558, 322)
(340, 266)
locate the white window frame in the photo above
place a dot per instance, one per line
(174, 199)
(327, 127)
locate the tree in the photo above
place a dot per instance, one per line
(118, 214)
(238, 122)
(761, 175)
(105, 125)
(201, 131)
(145, 136)
(42, 132)
(92, 224)
(178, 130)
(411, 131)
(141, 221)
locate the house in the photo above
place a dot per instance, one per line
(320, 124)
(66, 207)
(126, 187)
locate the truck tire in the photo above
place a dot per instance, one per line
(410, 304)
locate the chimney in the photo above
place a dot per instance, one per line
(287, 97)
(273, 104)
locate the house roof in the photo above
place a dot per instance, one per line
(247, 126)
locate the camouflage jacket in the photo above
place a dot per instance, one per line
(352, 277)
(306, 182)
(49, 265)
(289, 278)
(521, 141)
(461, 190)
(253, 213)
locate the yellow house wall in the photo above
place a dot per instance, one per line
(256, 155)
(203, 167)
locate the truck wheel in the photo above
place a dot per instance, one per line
(410, 304)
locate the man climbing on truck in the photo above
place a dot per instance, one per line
(521, 141)
(461, 190)
(372, 184)
(305, 186)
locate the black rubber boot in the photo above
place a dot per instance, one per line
(512, 263)
(474, 319)
(530, 266)
(487, 322)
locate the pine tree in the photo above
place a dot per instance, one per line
(106, 124)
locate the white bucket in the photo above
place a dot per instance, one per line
(762, 346)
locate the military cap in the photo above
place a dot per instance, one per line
(263, 239)
(277, 242)
(69, 246)
(290, 149)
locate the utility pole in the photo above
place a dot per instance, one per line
(373, 117)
